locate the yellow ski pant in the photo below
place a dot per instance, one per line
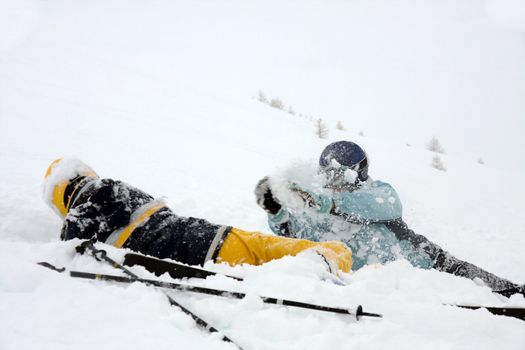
(255, 248)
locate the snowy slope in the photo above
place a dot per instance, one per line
(76, 80)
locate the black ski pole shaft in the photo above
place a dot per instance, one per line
(516, 312)
(217, 292)
(100, 254)
(200, 321)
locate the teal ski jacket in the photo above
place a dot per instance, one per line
(358, 218)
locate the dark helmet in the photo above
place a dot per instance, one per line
(347, 155)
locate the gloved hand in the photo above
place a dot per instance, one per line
(323, 204)
(306, 197)
(265, 198)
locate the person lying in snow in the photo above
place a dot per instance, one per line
(116, 213)
(363, 213)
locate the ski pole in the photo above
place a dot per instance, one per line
(103, 255)
(100, 254)
(216, 292)
(516, 312)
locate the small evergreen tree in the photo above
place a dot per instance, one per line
(276, 102)
(361, 133)
(435, 146)
(262, 97)
(321, 130)
(480, 161)
(438, 164)
(290, 110)
(340, 126)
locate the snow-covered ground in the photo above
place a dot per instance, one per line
(147, 92)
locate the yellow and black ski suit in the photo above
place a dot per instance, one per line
(123, 216)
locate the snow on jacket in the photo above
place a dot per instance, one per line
(357, 218)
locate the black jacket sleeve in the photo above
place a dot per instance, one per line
(444, 261)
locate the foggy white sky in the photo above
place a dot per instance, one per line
(404, 69)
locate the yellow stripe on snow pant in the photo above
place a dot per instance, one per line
(126, 233)
(255, 248)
